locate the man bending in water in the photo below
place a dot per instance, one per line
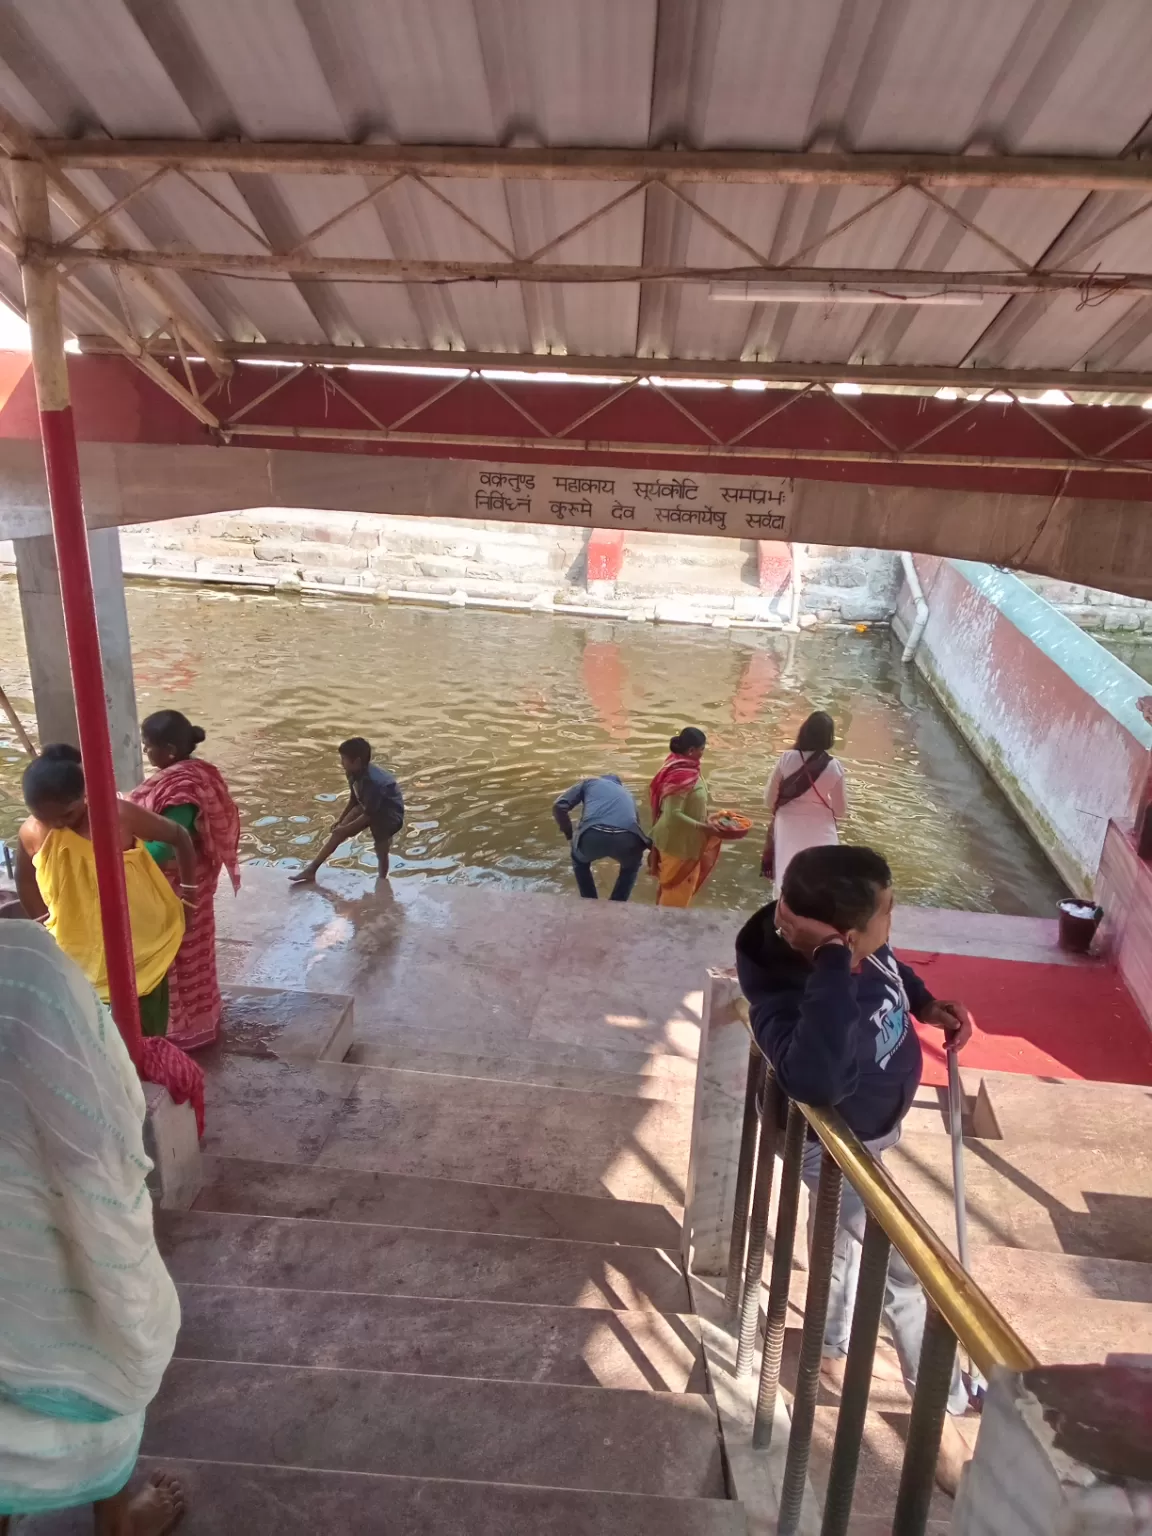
(375, 802)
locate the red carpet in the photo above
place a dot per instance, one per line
(1045, 1020)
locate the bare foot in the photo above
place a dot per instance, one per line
(158, 1507)
(955, 1453)
(154, 1511)
(305, 876)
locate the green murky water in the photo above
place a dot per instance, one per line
(1136, 654)
(485, 717)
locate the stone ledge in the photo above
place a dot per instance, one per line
(172, 1142)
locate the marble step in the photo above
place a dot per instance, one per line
(223, 1499)
(568, 1346)
(356, 1195)
(1070, 1310)
(1060, 1277)
(518, 1069)
(1034, 1190)
(644, 1061)
(438, 1426)
(215, 1248)
(448, 1127)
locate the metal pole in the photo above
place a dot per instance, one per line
(782, 1247)
(929, 1406)
(956, 1132)
(866, 1317)
(744, 1168)
(61, 462)
(17, 724)
(758, 1227)
(820, 1259)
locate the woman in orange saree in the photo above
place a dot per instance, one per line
(684, 845)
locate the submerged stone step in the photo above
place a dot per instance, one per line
(571, 1346)
(452, 1205)
(438, 1426)
(518, 1069)
(214, 1248)
(223, 1499)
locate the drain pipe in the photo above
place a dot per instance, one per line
(797, 588)
(912, 577)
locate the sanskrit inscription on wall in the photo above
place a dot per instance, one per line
(741, 506)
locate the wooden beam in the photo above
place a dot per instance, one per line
(821, 280)
(755, 167)
(724, 371)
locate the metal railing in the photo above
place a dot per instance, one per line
(958, 1311)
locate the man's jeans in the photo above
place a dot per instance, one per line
(904, 1305)
(601, 843)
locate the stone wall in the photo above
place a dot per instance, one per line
(1093, 609)
(693, 579)
(1051, 714)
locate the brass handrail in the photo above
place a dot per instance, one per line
(987, 1337)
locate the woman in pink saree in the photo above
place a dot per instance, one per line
(193, 794)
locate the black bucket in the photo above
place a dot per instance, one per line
(1079, 921)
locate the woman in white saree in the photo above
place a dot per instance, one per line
(88, 1313)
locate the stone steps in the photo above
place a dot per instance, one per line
(494, 1341)
(1041, 1188)
(438, 1426)
(460, 1355)
(451, 1127)
(213, 1248)
(227, 1498)
(359, 1196)
(642, 1061)
(515, 1069)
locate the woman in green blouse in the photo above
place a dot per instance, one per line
(685, 845)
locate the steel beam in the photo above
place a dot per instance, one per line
(755, 167)
(168, 305)
(1091, 285)
(892, 375)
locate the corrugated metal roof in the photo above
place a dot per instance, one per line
(1011, 76)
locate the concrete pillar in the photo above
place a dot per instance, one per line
(717, 1121)
(1062, 1451)
(39, 585)
(604, 558)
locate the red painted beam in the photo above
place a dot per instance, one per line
(813, 435)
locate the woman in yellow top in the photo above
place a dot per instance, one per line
(685, 845)
(56, 880)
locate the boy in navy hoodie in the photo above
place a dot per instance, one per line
(832, 1009)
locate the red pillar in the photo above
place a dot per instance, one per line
(774, 560)
(70, 533)
(605, 554)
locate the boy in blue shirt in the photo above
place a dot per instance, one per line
(832, 1009)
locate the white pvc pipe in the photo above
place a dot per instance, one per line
(911, 576)
(797, 588)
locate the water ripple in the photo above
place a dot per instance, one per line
(487, 717)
